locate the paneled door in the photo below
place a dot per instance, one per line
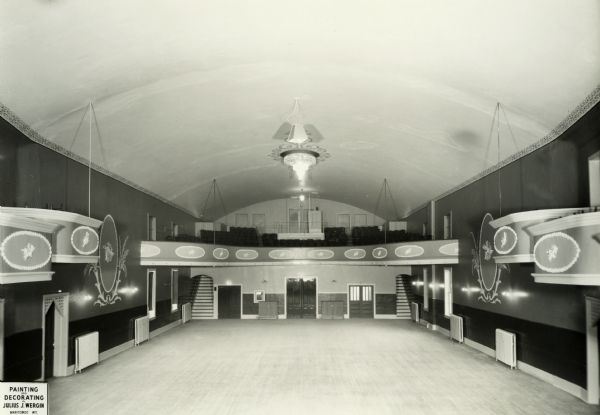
(230, 297)
(301, 297)
(361, 301)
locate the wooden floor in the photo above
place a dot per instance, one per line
(305, 367)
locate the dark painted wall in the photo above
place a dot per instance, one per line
(35, 176)
(550, 321)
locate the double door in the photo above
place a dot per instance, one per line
(301, 297)
(361, 301)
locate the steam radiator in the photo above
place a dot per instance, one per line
(86, 350)
(186, 312)
(142, 330)
(456, 328)
(506, 347)
(414, 311)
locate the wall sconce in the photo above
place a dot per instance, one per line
(128, 290)
(470, 289)
(264, 281)
(334, 281)
(514, 294)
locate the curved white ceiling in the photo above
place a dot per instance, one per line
(188, 91)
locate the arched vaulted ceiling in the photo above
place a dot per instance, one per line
(186, 91)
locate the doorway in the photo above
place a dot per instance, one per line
(230, 301)
(360, 301)
(49, 342)
(301, 297)
(55, 334)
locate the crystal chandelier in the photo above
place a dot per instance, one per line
(300, 161)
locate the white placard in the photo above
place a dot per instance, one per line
(23, 398)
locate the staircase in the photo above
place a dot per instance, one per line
(201, 297)
(404, 297)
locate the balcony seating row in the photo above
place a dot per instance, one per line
(371, 235)
(236, 236)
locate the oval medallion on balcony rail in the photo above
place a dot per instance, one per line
(246, 254)
(190, 252)
(379, 252)
(505, 240)
(556, 252)
(320, 254)
(26, 250)
(149, 251)
(281, 254)
(450, 249)
(221, 253)
(355, 253)
(84, 240)
(409, 251)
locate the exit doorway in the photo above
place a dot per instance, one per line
(360, 301)
(55, 334)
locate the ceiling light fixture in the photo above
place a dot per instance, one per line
(300, 161)
(298, 152)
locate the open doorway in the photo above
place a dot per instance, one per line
(55, 334)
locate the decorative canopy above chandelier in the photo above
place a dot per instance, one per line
(298, 152)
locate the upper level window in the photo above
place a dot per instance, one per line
(174, 289)
(241, 220)
(174, 229)
(594, 175)
(448, 226)
(151, 228)
(425, 289)
(447, 291)
(151, 293)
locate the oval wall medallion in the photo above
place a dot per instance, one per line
(450, 249)
(190, 252)
(355, 253)
(148, 251)
(246, 254)
(109, 248)
(379, 253)
(505, 240)
(556, 252)
(409, 251)
(221, 253)
(84, 240)
(320, 254)
(26, 250)
(281, 254)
